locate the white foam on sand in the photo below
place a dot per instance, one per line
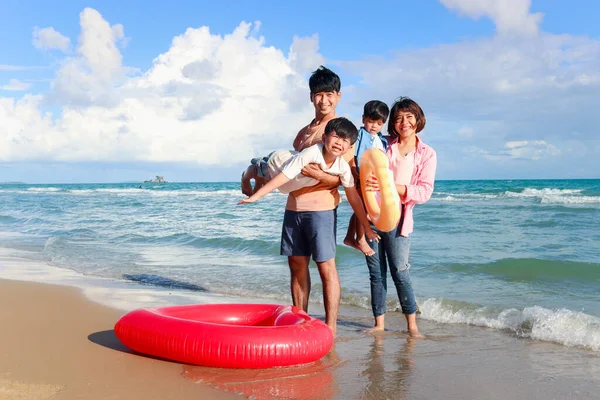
(114, 293)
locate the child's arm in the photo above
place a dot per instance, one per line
(277, 181)
(359, 209)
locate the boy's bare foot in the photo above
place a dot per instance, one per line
(350, 242)
(362, 245)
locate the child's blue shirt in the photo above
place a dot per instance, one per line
(366, 141)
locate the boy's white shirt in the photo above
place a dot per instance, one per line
(290, 163)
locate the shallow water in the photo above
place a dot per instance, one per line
(521, 257)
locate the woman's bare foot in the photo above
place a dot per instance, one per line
(362, 245)
(379, 325)
(413, 330)
(415, 334)
(374, 330)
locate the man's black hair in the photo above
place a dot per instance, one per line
(324, 80)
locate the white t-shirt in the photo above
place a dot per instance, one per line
(292, 162)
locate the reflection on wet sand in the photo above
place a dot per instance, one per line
(388, 377)
(313, 381)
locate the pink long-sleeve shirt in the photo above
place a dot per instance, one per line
(421, 183)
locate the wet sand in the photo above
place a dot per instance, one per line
(56, 344)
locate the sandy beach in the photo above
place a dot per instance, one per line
(57, 344)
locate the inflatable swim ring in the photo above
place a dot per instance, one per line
(227, 335)
(384, 214)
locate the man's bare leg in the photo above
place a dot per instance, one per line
(299, 280)
(331, 292)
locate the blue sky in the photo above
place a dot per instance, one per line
(106, 91)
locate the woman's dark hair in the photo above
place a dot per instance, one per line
(407, 105)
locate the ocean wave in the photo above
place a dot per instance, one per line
(562, 326)
(44, 189)
(531, 269)
(158, 193)
(544, 196)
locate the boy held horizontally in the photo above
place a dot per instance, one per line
(340, 134)
(375, 114)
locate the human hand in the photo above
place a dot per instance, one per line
(371, 184)
(372, 235)
(246, 201)
(312, 170)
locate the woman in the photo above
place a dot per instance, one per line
(413, 164)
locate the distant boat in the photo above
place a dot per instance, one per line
(158, 179)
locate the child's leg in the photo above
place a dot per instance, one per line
(355, 228)
(258, 183)
(247, 176)
(361, 241)
(350, 234)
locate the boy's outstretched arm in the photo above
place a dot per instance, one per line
(276, 182)
(359, 209)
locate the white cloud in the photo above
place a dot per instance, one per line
(49, 38)
(465, 132)
(16, 85)
(222, 99)
(509, 16)
(532, 150)
(209, 100)
(5, 67)
(91, 76)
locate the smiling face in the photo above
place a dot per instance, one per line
(335, 146)
(406, 124)
(325, 102)
(373, 126)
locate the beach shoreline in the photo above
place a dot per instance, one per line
(59, 344)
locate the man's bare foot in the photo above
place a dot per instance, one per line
(333, 329)
(362, 245)
(247, 175)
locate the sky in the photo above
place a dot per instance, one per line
(107, 91)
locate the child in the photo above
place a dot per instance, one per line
(340, 135)
(374, 116)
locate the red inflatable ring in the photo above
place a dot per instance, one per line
(227, 335)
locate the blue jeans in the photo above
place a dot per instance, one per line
(392, 249)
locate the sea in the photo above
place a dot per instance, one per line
(518, 257)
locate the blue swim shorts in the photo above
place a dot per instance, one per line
(309, 233)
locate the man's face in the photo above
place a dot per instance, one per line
(325, 102)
